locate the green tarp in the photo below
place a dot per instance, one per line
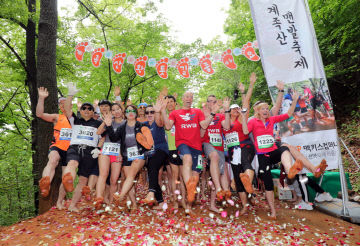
(330, 183)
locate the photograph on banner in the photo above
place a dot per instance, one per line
(313, 111)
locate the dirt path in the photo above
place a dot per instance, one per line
(172, 227)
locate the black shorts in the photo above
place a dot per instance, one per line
(297, 109)
(271, 158)
(247, 156)
(174, 158)
(62, 154)
(87, 165)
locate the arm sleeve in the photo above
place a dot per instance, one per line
(279, 118)
(172, 116)
(250, 125)
(114, 136)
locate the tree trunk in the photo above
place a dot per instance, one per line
(46, 77)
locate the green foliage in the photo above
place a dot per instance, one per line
(337, 29)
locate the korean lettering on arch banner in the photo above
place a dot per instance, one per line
(290, 53)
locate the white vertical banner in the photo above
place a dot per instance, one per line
(289, 53)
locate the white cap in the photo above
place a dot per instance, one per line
(234, 106)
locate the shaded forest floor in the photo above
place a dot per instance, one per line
(349, 131)
(172, 227)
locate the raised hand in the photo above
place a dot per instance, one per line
(108, 118)
(117, 91)
(72, 90)
(79, 103)
(252, 78)
(96, 103)
(43, 92)
(158, 105)
(163, 92)
(295, 96)
(241, 87)
(280, 85)
(226, 103)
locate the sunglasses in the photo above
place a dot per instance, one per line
(130, 111)
(150, 112)
(142, 107)
(87, 108)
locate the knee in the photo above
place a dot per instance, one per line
(214, 157)
(187, 158)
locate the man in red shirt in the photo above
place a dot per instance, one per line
(213, 146)
(188, 122)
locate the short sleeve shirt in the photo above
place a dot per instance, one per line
(263, 133)
(214, 133)
(187, 125)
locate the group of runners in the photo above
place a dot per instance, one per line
(189, 143)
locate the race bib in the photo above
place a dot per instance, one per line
(265, 141)
(200, 163)
(111, 149)
(65, 133)
(172, 131)
(84, 135)
(133, 154)
(232, 139)
(215, 139)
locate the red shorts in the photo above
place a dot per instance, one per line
(113, 158)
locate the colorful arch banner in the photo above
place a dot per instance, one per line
(162, 65)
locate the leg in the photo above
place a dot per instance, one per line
(130, 173)
(174, 180)
(48, 173)
(115, 173)
(69, 175)
(104, 166)
(62, 194)
(77, 193)
(215, 170)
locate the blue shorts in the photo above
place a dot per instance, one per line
(195, 155)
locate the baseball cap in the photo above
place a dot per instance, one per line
(234, 106)
(87, 104)
(142, 104)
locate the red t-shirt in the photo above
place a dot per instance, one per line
(235, 135)
(263, 133)
(187, 125)
(214, 133)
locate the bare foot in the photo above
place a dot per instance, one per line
(44, 185)
(60, 205)
(243, 210)
(73, 209)
(214, 209)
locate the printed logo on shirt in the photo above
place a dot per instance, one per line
(193, 125)
(215, 121)
(187, 116)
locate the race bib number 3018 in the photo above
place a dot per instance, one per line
(265, 141)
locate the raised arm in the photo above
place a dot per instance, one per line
(275, 110)
(295, 98)
(72, 90)
(43, 93)
(246, 101)
(244, 116)
(117, 93)
(168, 124)
(101, 129)
(227, 122)
(205, 123)
(157, 107)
